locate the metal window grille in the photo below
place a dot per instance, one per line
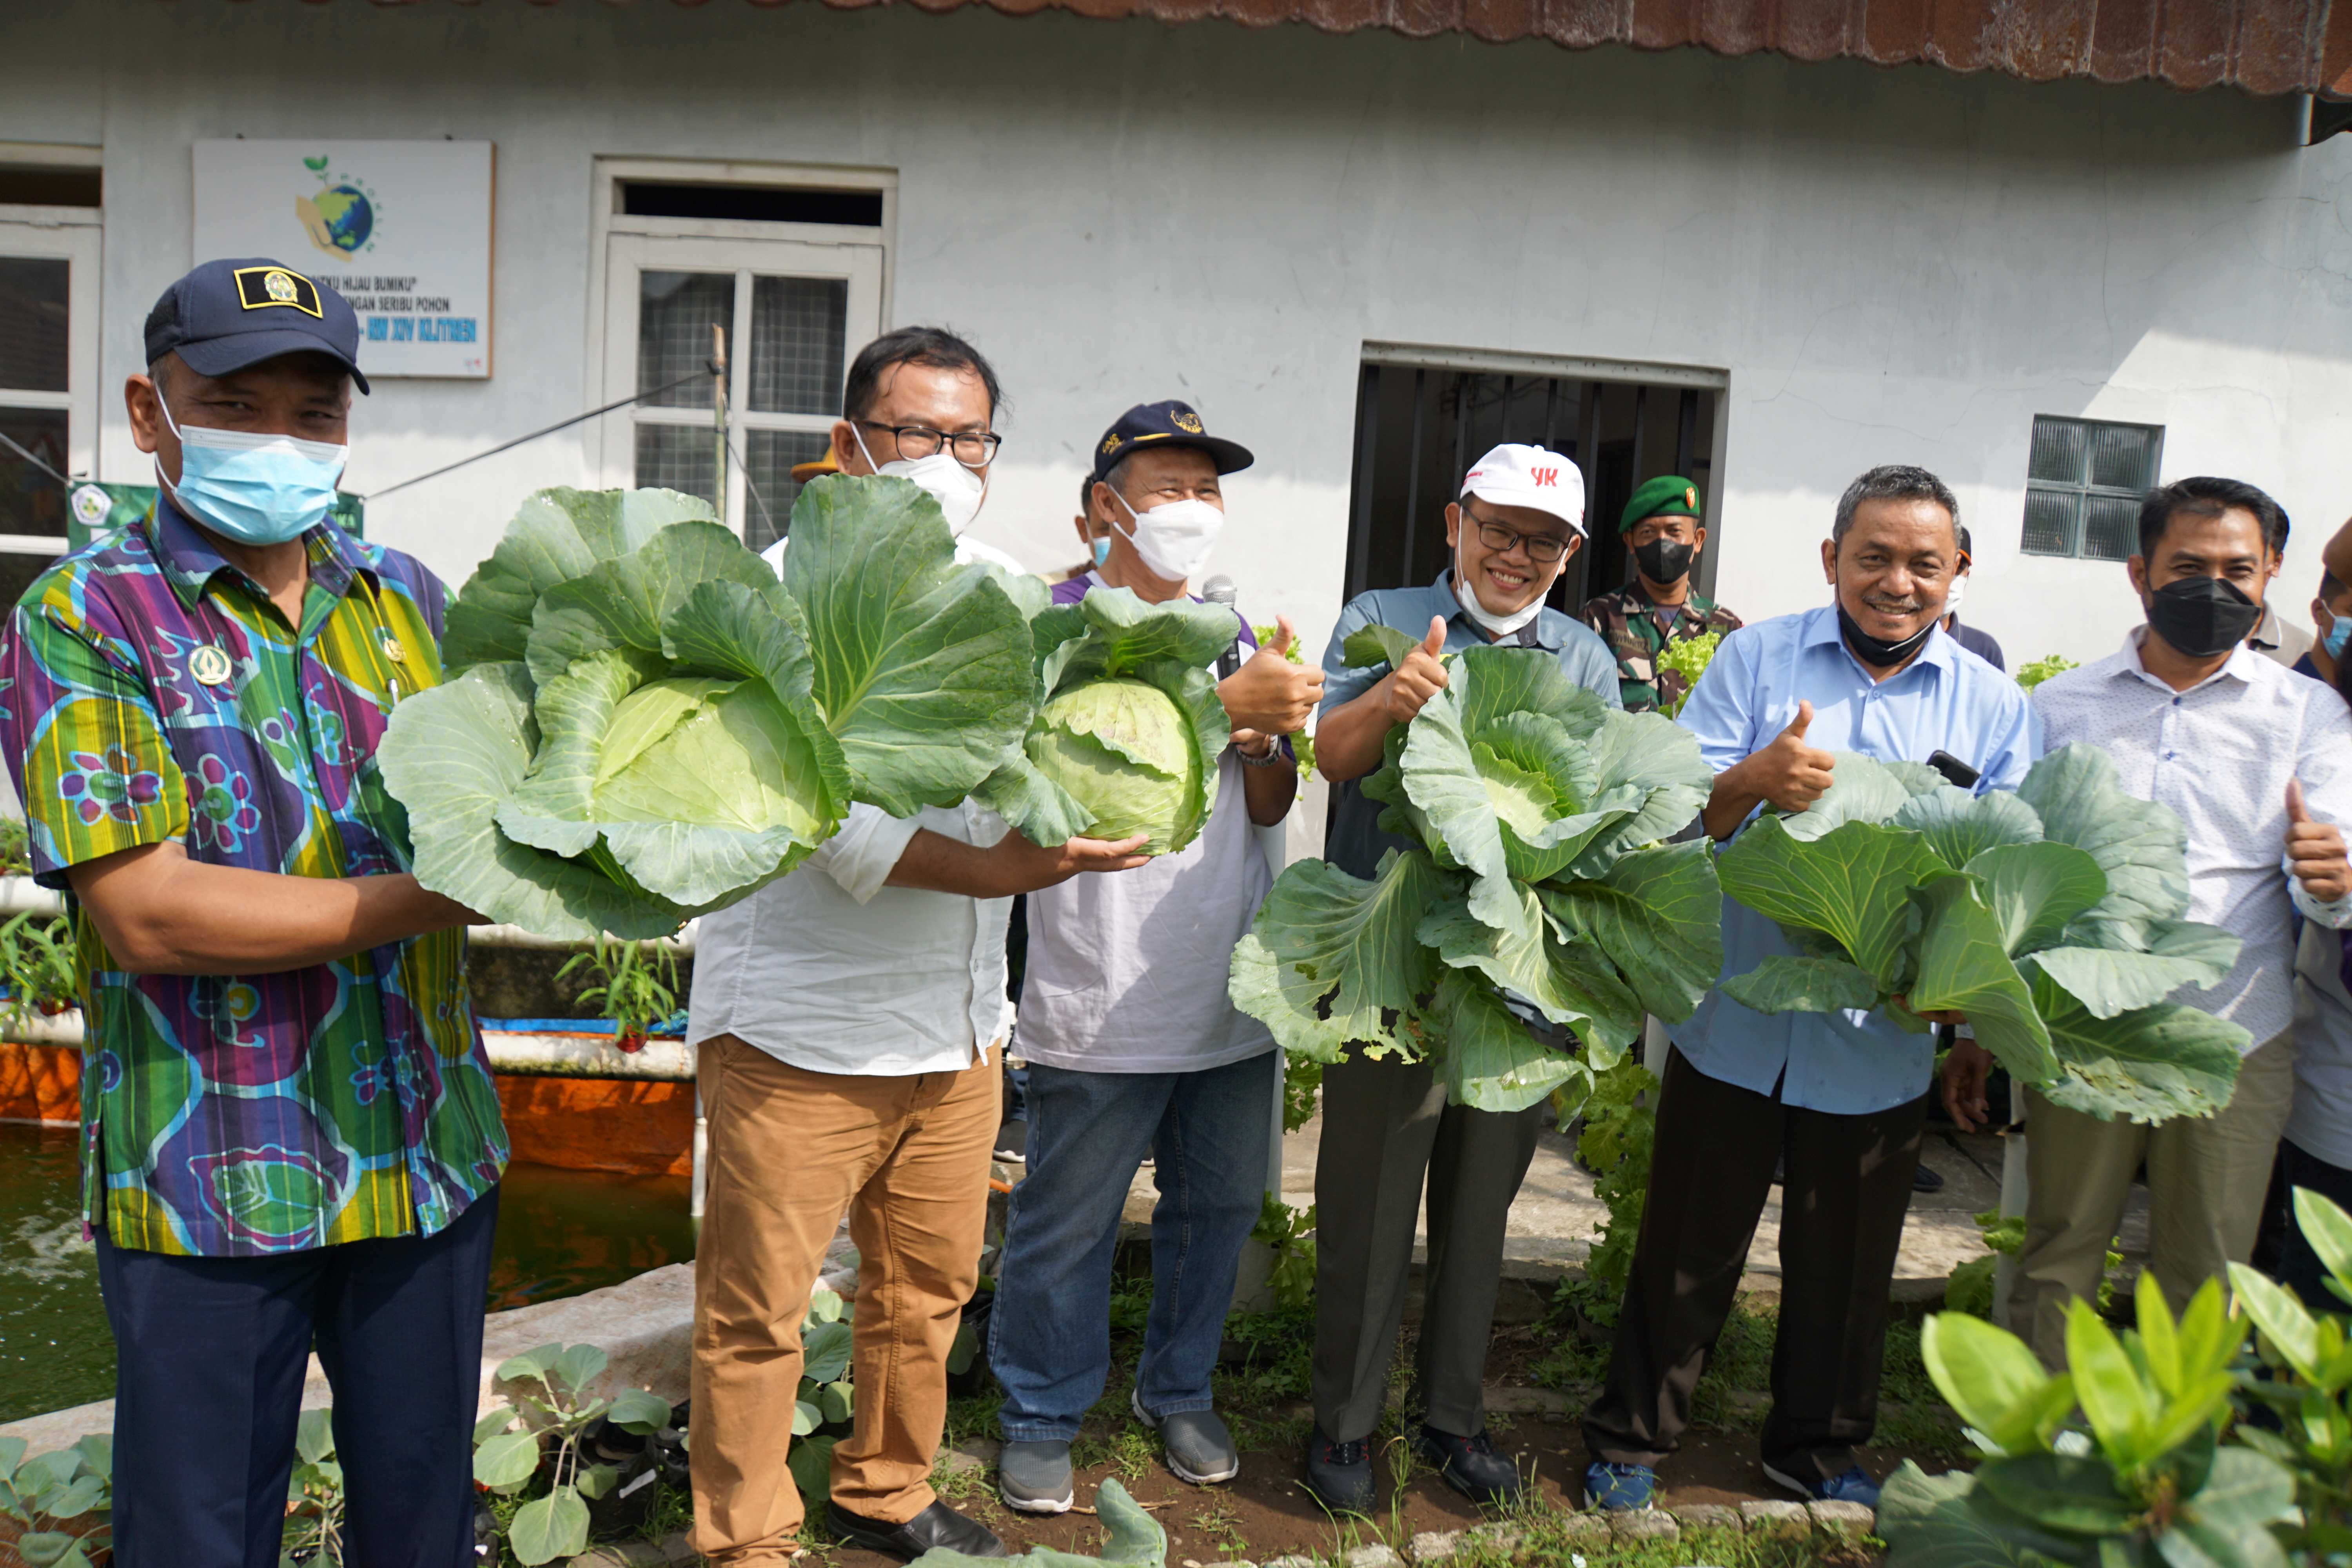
(2083, 481)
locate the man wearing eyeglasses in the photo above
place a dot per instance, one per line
(1386, 1125)
(848, 1020)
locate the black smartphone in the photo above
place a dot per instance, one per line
(1956, 771)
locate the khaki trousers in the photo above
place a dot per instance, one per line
(2206, 1179)
(790, 1149)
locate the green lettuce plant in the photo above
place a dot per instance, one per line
(1128, 727)
(1688, 656)
(2053, 918)
(1536, 879)
(644, 724)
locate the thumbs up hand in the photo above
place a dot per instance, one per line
(1789, 772)
(2315, 851)
(1420, 678)
(1270, 694)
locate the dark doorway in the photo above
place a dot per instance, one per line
(1419, 425)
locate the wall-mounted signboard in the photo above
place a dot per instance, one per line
(402, 229)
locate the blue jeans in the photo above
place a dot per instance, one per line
(1049, 1332)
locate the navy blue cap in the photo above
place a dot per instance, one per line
(227, 315)
(1168, 423)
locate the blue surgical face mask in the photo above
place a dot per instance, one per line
(2339, 634)
(250, 487)
(1102, 554)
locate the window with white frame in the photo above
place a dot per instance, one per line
(780, 274)
(2083, 481)
(48, 349)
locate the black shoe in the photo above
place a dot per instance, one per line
(938, 1525)
(1340, 1474)
(1923, 1180)
(1470, 1465)
(1013, 1142)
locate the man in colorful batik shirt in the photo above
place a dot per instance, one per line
(1663, 532)
(291, 1134)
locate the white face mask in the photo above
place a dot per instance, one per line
(956, 489)
(1174, 539)
(1495, 625)
(1952, 599)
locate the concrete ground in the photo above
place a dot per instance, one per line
(1556, 1218)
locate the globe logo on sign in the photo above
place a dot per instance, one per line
(340, 218)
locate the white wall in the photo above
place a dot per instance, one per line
(1891, 264)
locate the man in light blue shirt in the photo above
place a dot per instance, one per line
(1839, 1097)
(1386, 1125)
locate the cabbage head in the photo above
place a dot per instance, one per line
(1128, 727)
(1534, 885)
(649, 725)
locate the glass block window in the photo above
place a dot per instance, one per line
(2084, 483)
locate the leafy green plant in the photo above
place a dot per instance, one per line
(826, 1398)
(1128, 726)
(1302, 1086)
(2030, 676)
(1536, 875)
(2156, 1470)
(1302, 745)
(535, 1441)
(1689, 658)
(62, 1504)
(2053, 918)
(314, 1495)
(649, 724)
(1620, 1129)
(1290, 1233)
(38, 966)
(637, 986)
(15, 847)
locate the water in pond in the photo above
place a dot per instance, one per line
(560, 1233)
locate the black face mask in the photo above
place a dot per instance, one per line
(2201, 616)
(1877, 652)
(1665, 561)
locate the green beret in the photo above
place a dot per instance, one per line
(1664, 496)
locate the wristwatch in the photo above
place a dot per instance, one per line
(1273, 755)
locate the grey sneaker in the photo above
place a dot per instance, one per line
(1195, 1444)
(1035, 1478)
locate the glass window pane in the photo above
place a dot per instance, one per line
(33, 294)
(678, 457)
(2123, 456)
(2110, 529)
(768, 458)
(2050, 523)
(30, 500)
(17, 571)
(676, 311)
(2058, 454)
(797, 327)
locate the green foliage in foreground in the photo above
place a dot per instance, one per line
(2052, 918)
(63, 1503)
(1129, 1535)
(2136, 1453)
(1689, 657)
(2030, 676)
(1536, 814)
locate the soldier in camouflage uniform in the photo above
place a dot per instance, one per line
(1663, 534)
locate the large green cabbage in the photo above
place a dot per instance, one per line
(1539, 879)
(1128, 726)
(644, 724)
(2053, 918)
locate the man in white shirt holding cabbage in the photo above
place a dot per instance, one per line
(849, 1019)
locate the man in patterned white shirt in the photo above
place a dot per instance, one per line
(2257, 762)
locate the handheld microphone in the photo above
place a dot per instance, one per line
(1219, 590)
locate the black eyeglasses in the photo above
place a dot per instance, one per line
(1545, 548)
(972, 448)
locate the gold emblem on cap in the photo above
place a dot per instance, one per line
(209, 664)
(265, 288)
(1188, 422)
(1110, 442)
(1690, 497)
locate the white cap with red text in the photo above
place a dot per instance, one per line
(1513, 475)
